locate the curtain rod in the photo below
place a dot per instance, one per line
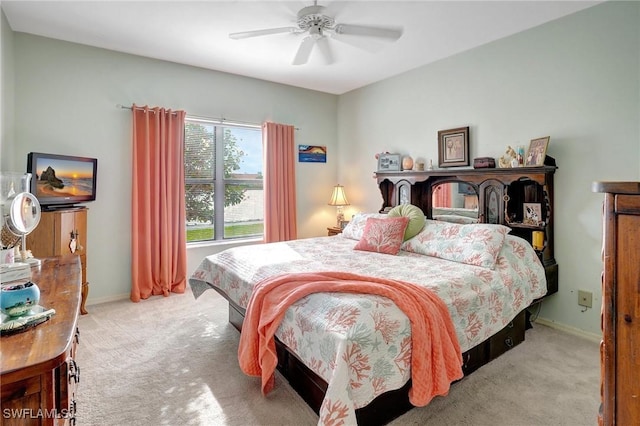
(215, 119)
(131, 108)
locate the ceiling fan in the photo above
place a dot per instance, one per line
(313, 21)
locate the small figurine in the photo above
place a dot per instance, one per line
(509, 159)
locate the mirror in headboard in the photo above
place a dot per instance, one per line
(455, 202)
(499, 197)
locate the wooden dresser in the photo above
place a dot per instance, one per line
(62, 232)
(620, 346)
(38, 370)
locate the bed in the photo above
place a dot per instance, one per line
(353, 350)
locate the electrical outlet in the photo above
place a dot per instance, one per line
(585, 298)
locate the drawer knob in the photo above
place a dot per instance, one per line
(628, 319)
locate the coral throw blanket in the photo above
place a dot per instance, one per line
(436, 360)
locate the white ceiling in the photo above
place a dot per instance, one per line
(196, 33)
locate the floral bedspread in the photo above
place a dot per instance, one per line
(360, 344)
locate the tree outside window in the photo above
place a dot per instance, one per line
(223, 160)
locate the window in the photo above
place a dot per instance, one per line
(223, 169)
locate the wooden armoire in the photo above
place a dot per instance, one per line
(63, 232)
(620, 346)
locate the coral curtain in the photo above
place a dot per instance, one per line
(442, 196)
(158, 233)
(280, 182)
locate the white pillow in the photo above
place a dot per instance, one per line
(474, 244)
(355, 228)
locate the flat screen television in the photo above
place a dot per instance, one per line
(60, 181)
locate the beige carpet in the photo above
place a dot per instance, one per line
(173, 361)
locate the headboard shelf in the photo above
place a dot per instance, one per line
(503, 198)
(470, 175)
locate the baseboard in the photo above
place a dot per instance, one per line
(114, 298)
(571, 330)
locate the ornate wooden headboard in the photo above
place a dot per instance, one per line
(503, 197)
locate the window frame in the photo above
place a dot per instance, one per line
(218, 181)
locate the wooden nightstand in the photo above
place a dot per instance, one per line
(334, 230)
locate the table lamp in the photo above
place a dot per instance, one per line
(339, 199)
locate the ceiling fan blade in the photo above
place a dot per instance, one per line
(304, 51)
(258, 33)
(363, 43)
(325, 50)
(360, 30)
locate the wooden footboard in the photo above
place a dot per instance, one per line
(392, 404)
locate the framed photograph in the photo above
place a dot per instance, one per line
(537, 152)
(343, 224)
(532, 214)
(389, 163)
(453, 147)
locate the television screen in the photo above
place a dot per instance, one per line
(62, 180)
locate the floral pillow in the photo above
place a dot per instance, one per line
(383, 235)
(355, 228)
(474, 244)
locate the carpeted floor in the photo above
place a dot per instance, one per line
(173, 361)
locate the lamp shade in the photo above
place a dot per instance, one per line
(338, 198)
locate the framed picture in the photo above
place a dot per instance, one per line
(537, 152)
(389, 163)
(453, 147)
(532, 213)
(343, 224)
(312, 154)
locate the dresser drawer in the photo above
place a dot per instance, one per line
(508, 337)
(67, 378)
(475, 358)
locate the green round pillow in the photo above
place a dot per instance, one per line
(415, 215)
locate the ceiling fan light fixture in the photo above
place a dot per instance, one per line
(315, 31)
(311, 16)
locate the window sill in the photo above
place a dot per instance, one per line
(225, 243)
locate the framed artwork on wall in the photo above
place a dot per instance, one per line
(312, 154)
(453, 147)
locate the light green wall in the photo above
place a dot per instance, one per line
(66, 96)
(6, 92)
(576, 79)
